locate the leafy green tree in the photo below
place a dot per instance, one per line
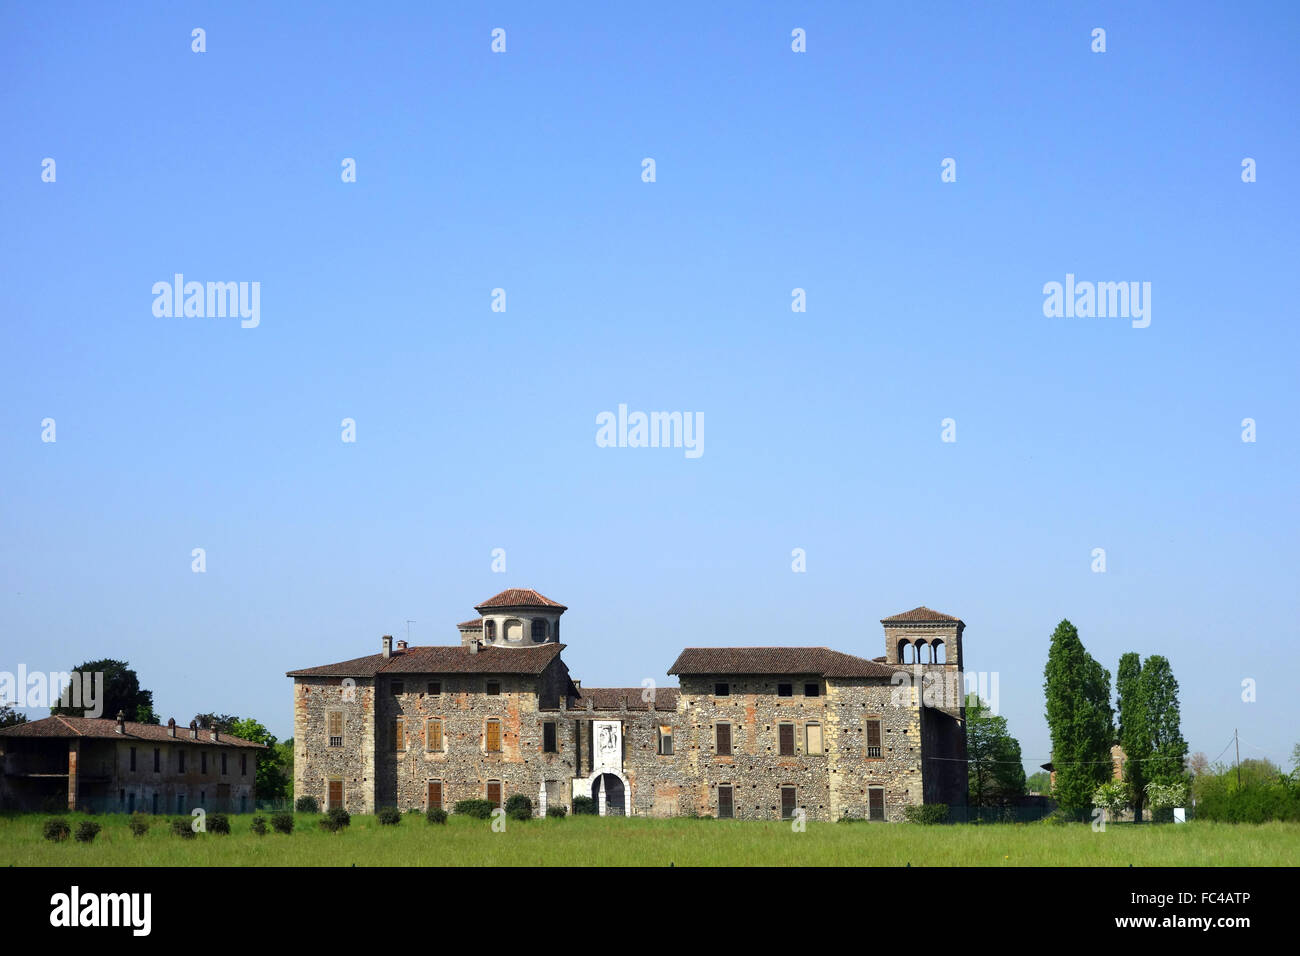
(271, 782)
(1080, 719)
(122, 692)
(1168, 748)
(1039, 782)
(996, 775)
(10, 717)
(220, 722)
(1134, 729)
(1114, 797)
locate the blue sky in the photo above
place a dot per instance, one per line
(476, 429)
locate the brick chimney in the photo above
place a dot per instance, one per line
(388, 645)
(473, 647)
(121, 722)
(194, 730)
(171, 726)
(216, 734)
(401, 645)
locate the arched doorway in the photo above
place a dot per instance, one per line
(613, 789)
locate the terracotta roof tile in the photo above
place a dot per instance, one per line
(611, 698)
(437, 659)
(921, 615)
(103, 727)
(474, 625)
(776, 660)
(519, 597)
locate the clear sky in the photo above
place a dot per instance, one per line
(476, 429)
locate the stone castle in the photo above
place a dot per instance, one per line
(751, 733)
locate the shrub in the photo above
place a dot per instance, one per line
(335, 819)
(481, 809)
(139, 825)
(181, 828)
(56, 830)
(519, 807)
(584, 805)
(282, 822)
(436, 815)
(389, 816)
(555, 812)
(87, 830)
(259, 825)
(306, 805)
(219, 823)
(927, 813)
(1112, 797)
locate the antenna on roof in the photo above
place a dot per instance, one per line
(408, 631)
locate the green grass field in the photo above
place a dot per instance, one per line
(591, 841)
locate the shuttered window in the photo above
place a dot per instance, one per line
(334, 728)
(399, 734)
(873, 738)
(814, 742)
(723, 734)
(876, 803)
(335, 796)
(788, 795)
(433, 735)
(494, 792)
(435, 795)
(726, 806)
(493, 736)
(786, 739)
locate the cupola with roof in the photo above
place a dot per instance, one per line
(516, 617)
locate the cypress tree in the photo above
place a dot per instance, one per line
(1080, 719)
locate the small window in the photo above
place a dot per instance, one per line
(786, 739)
(435, 795)
(875, 803)
(493, 792)
(223, 765)
(812, 690)
(243, 765)
(721, 689)
(873, 738)
(513, 631)
(539, 629)
(493, 688)
(435, 688)
(548, 737)
(785, 690)
(180, 803)
(203, 762)
(399, 734)
(726, 805)
(433, 735)
(665, 740)
(157, 760)
(180, 761)
(334, 795)
(334, 728)
(130, 802)
(489, 631)
(243, 803)
(789, 798)
(397, 687)
(722, 739)
(132, 758)
(813, 744)
(493, 741)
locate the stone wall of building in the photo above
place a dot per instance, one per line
(851, 702)
(315, 762)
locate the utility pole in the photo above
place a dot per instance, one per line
(1238, 745)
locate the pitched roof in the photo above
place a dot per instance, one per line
(474, 625)
(519, 597)
(776, 660)
(59, 725)
(921, 615)
(440, 659)
(611, 698)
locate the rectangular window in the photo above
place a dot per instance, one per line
(433, 735)
(154, 804)
(223, 765)
(873, 738)
(788, 796)
(397, 687)
(399, 733)
(548, 737)
(665, 740)
(493, 742)
(435, 795)
(132, 758)
(334, 728)
(722, 739)
(813, 745)
(180, 761)
(786, 740)
(180, 803)
(243, 765)
(435, 688)
(785, 690)
(726, 808)
(721, 690)
(494, 792)
(334, 796)
(157, 760)
(203, 762)
(812, 690)
(130, 803)
(875, 803)
(493, 688)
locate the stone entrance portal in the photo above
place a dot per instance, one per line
(607, 791)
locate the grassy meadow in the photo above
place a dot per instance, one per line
(593, 841)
